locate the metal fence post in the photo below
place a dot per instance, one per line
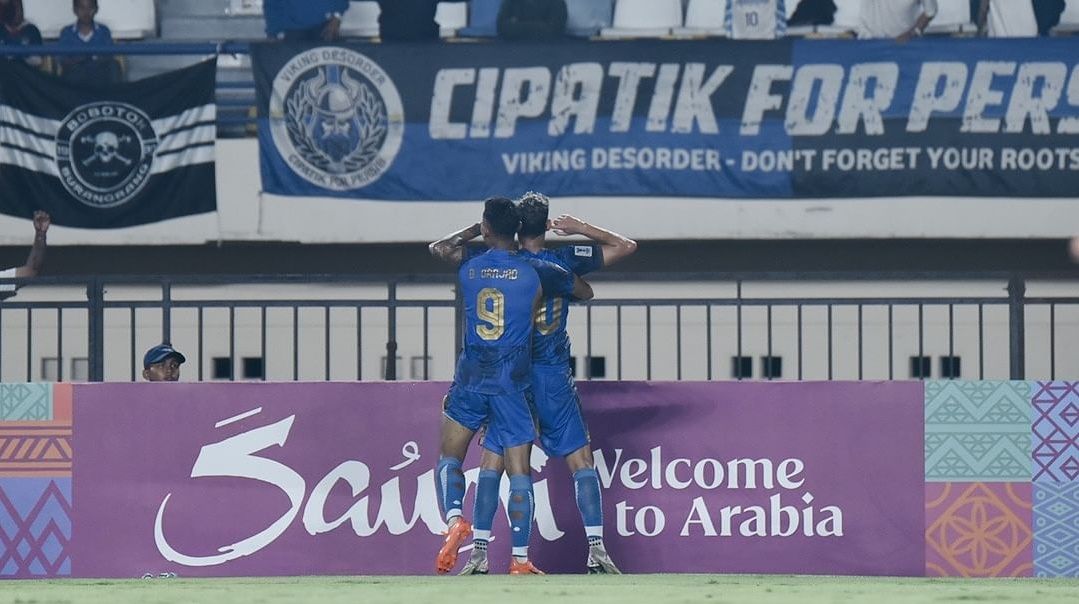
(1017, 289)
(95, 296)
(391, 333)
(166, 312)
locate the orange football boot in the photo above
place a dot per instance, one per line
(455, 537)
(524, 568)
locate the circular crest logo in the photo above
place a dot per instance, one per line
(105, 153)
(336, 118)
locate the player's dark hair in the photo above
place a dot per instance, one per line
(12, 13)
(75, 4)
(533, 208)
(501, 216)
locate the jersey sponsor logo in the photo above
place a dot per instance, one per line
(105, 153)
(336, 117)
(582, 250)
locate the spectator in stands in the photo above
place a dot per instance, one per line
(408, 20)
(304, 20)
(88, 34)
(899, 19)
(16, 30)
(756, 19)
(1047, 14)
(34, 261)
(532, 19)
(162, 363)
(813, 12)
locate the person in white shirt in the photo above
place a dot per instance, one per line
(756, 19)
(34, 261)
(1007, 19)
(899, 19)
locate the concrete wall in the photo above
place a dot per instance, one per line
(244, 214)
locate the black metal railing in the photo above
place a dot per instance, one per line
(334, 327)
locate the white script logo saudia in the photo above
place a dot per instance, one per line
(237, 456)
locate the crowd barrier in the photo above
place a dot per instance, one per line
(270, 479)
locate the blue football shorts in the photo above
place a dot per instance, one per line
(557, 406)
(507, 416)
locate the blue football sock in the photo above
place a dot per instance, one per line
(521, 509)
(451, 487)
(590, 503)
(486, 503)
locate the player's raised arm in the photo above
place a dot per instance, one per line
(451, 248)
(582, 290)
(557, 281)
(615, 247)
(36, 259)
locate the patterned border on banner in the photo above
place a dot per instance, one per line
(35, 480)
(25, 402)
(1056, 430)
(978, 529)
(978, 431)
(35, 527)
(1056, 526)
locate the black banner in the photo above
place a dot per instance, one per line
(107, 157)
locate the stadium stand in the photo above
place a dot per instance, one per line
(451, 17)
(953, 17)
(360, 20)
(644, 19)
(1011, 20)
(586, 18)
(704, 18)
(847, 18)
(50, 16)
(482, 19)
(202, 20)
(128, 19)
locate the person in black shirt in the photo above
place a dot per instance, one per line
(16, 30)
(532, 19)
(408, 20)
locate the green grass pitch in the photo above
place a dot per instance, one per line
(568, 589)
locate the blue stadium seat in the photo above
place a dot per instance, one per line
(587, 17)
(360, 20)
(482, 19)
(644, 19)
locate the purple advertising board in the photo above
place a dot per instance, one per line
(337, 478)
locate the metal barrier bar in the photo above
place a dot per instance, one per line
(981, 341)
(1052, 342)
(29, 344)
(708, 341)
(1016, 320)
(262, 340)
(749, 343)
(860, 372)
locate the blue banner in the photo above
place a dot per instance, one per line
(707, 118)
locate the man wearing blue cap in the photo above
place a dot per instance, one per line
(162, 364)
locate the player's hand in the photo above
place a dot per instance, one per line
(568, 225)
(42, 220)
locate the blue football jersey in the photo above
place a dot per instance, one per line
(499, 291)
(550, 343)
